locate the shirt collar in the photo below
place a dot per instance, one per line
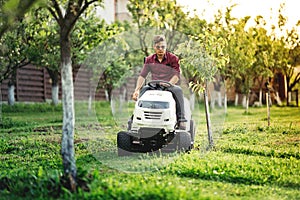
(165, 56)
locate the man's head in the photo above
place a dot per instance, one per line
(160, 45)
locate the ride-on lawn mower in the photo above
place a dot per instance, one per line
(154, 126)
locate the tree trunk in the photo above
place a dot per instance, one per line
(11, 94)
(219, 95)
(236, 102)
(106, 95)
(244, 101)
(55, 90)
(208, 122)
(67, 148)
(289, 98)
(260, 97)
(225, 102)
(247, 103)
(11, 88)
(278, 99)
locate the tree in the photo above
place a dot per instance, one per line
(292, 77)
(88, 33)
(264, 55)
(203, 56)
(66, 14)
(43, 48)
(290, 52)
(240, 50)
(103, 53)
(13, 56)
(109, 63)
(12, 13)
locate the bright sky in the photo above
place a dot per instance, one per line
(267, 8)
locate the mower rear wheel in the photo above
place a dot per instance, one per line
(124, 144)
(184, 141)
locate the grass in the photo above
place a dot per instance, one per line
(249, 161)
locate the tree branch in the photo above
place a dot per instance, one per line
(82, 9)
(10, 69)
(58, 14)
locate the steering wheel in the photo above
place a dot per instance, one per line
(156, 85)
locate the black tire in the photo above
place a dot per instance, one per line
(184, 141)
(124, 144)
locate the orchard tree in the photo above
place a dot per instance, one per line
(108, 62)
(98, 46)
(292, 77)
(12, 57)
(290, 56)
(203, 56)
(88, 33)
(43, 48)
(241, 50)
(67, 13)
(264, 55)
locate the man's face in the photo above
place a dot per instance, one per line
(160, 48)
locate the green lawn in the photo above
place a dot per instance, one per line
(250, 160)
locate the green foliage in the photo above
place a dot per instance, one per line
(89, 33)
(158, 17)
(13, 53)
(12, 11)
(109, 62)
(241, 50)
(202, 57)
(43, 48)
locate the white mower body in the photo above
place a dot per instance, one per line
(155, 109)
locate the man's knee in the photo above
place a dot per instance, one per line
(175, 89)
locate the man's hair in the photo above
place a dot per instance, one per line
(158, 38)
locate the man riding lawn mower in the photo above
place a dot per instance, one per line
(162, 117)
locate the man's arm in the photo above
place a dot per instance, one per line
(174, 79)
(139, 84)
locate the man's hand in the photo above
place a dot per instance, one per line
(165, 84)
(135, 95)
(139, 83)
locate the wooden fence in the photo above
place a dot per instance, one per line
(33, 84)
